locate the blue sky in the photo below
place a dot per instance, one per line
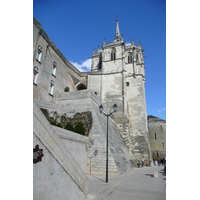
(77, 27)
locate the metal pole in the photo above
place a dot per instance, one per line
(107, 153)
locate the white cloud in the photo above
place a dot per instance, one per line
(84, 66)
(160, 110)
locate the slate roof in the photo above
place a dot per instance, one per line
(153, 118)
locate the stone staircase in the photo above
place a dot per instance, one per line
(86, 100)
(97, 157)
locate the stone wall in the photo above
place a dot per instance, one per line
(157, 135)
(116, 82)
(66, 73)
(76, 144)
(58, 175)
(86, 100)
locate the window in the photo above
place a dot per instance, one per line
(136, 57)
(163, 145)
(113, 54)
(130, 59)
(127, 83)
(35, 75)
(155, 136)
(39, 53)
(54, 69)
(51, 88)
(161, 127)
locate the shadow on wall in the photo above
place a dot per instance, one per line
(81, 86)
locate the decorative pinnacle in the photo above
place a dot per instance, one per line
(117, 33)
(133, 42)
(139, 43)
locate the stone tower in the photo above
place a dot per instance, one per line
(118, 76)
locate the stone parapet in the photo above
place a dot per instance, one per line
(51, 141)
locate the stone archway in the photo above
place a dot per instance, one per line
(81, 86)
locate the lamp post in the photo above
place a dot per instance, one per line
(107, 115)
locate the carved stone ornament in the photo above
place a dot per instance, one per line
(37, 154)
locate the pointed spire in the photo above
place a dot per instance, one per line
(117, 33)
(133, 42)
(104, 42)
(93, 51)
(139, 43)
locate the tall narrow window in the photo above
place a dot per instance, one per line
(51, 88)
(35, 75)
(163, 145)
(113, 54)
(136, 57)
(130, 60)
(39, 53)
(161, 127)
(54, 68)
(155, 136)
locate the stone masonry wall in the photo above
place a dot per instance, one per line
(86, 100)
(137, 117)
(58, 175)
(157, 137)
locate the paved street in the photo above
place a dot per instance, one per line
(139, 184)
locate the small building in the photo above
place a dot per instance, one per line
(157, 135)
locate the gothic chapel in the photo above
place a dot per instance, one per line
(118, 75)
(61, 91)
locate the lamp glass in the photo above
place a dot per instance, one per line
(100, 108)
(115, 107)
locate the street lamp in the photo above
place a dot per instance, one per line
(107, 115)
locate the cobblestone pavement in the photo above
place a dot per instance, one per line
(139, 184)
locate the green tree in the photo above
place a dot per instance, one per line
(69, 126)
(79, 128)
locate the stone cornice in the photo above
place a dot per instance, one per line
(115, 43)
(35, 21)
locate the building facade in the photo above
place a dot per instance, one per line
(157, 136)
(117, 76)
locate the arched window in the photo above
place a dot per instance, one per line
(39, 53)
(136, 57)
(130, 58)
(51, 87)
(54, 68)
(113, 54)
(35, 75)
